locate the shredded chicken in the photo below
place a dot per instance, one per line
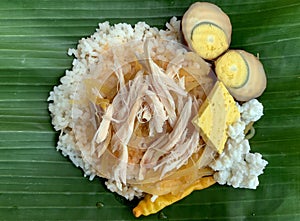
(142, 125)
(159, 113)
(102, 131)
(154, 153)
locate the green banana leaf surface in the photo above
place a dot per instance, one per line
(38, 183)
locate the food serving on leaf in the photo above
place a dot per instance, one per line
(150, 115)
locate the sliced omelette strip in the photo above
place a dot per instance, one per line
(218, 111)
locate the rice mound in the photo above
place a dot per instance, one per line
(92, 53)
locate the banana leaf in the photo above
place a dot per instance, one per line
(38, 183)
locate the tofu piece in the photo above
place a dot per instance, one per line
(218, 111)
